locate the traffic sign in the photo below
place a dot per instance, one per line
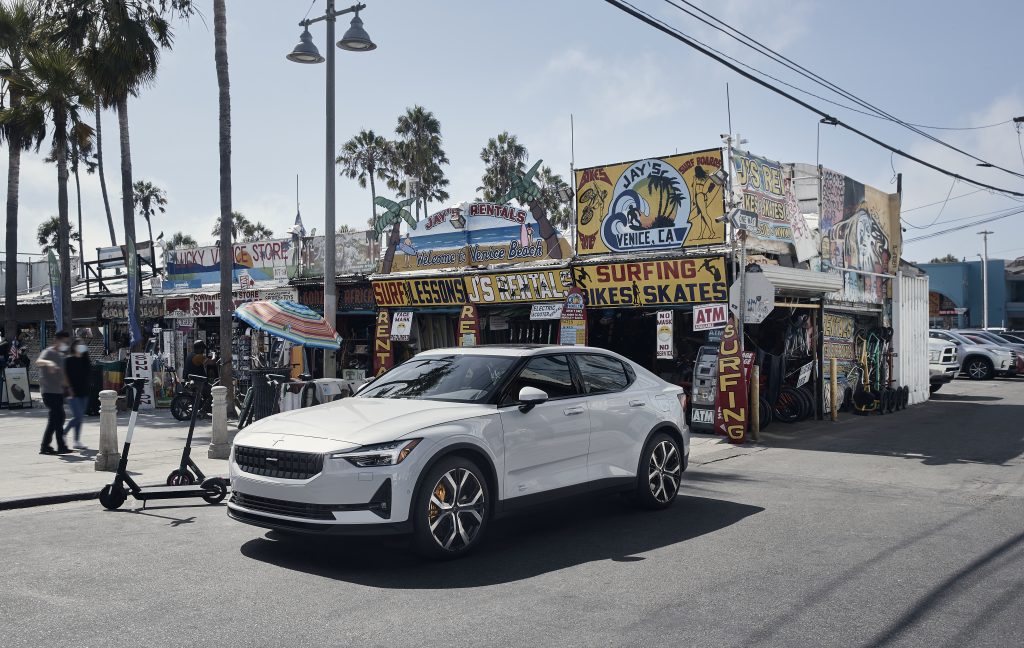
(760, 298)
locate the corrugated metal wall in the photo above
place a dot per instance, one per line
(910, 335)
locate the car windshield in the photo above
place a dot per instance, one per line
(460, 378)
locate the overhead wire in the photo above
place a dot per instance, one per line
(939, 215)
(700, 47)
(757, 46)
(931, 235)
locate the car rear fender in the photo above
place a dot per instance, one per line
(669, 429)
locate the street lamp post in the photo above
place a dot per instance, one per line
(355, 40)
(984, 280)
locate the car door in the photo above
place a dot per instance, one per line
(545, 447)
(620, 416)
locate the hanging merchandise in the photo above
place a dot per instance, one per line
(664, 335)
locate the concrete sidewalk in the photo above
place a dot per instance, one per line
(28, 478)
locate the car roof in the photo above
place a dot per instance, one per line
(516, 350)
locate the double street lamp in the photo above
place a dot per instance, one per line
(355, 40)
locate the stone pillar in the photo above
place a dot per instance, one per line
(220, 440)
(110, 454)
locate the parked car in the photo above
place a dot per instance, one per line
(1000, 339)
(943, 363)
(445, 441)
(978, 361)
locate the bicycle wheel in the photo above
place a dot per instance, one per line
(765, 409)
(789, 405)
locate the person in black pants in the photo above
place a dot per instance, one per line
(53, 383)
(78, 368)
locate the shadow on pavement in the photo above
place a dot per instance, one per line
(964, 397)
(517, 548)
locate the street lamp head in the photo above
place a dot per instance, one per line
(305, 51)
(356, 39)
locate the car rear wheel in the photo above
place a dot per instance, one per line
(661, 469)
(451, 509)
(978, 369)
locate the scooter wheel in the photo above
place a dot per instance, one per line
(180, 478)
(215, 490)
(112, 499)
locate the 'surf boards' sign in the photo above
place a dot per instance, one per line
(662, 282)
(710, 316)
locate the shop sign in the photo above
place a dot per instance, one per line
(805, 374)
(354, 253)
(546, 311)
(140, 367)
(208, 304)
(709, 316)
(652, 204)
(16, 385)
(661, 282)
(759, 295)
(664, 335)
(383, 356)
(574, 319)
(354, 298)
(401, 326)
(116, 308)
(860, 230)
(260, 260)
(838, 332)
(474, 234)
(519, 287)
(469, 326)
(760, 188)
(731, 396)
(497, 323)
(427, 291)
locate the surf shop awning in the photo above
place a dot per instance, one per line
(290, 321)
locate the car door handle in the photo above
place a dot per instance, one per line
(572, 411)
(637, 403)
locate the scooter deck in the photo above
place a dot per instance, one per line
(169, 492)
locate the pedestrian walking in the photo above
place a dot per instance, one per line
(78, 367)
(53, 382)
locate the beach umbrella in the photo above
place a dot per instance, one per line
(290, 321)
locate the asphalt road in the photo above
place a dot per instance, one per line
(903, 530)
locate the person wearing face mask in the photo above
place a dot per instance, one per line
(53, 382)
(78, 368)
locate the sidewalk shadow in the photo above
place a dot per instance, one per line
(517, 548)
(939, 396)
(82, 455)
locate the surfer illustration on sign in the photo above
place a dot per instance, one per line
(704, 188)
(646, 202)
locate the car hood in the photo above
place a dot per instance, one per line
(359, 421)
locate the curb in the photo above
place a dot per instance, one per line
(47, 500)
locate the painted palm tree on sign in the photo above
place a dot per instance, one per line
(149, 199)
(367, 157)
(20, 130)
(48, 236)
(395, 213)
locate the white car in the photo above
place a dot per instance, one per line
(442, 443)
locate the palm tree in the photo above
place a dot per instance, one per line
(255, 232)
(48, 235)
(551, 184)
(61, 91)
(149, 199)
(79, 155)
(238, 227)
(419, 155)
(180, 240)
(367, 156)
(504, 158)
(220, 57)
(22, 130)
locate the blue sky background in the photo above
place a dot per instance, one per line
(483, 66)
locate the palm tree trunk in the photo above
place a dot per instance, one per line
(393, 240)
(103, 177)
(152, 248)
(127, 208)
(13, 182)
(78, 198)
(547, 230)
(373, 208)
(227, 257)
(60, 125)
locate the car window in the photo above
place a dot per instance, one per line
(602, 374)
(463, 378)
(549, 373)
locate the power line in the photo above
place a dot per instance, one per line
(939, 202)
(923, 237)
(761, 48)
(683, 38)
(941, 209)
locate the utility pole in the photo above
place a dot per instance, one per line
(984, 279)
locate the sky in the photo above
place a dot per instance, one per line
(486, 66)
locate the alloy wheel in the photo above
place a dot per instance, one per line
(978, 370)
(664, 472)
(456, 509)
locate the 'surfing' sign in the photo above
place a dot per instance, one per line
(519, 287)
(660, 282)
(652, 204)
(731, 396)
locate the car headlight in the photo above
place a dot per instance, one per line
(379, 454)
(933, 356)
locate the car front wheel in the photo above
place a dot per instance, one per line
(451, 509)
(661, 469)
(978, 369)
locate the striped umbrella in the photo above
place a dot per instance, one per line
(290, 321)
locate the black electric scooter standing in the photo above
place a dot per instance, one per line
(113, 495)
(188, 473)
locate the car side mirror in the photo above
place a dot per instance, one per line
(530, 397)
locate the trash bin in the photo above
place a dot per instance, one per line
(264, 394)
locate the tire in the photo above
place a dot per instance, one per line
(112, 498)
(978, 369)
(789, 406)
(180, 478)
(905, 399)
(451, 509)
(891, 400)
(765, 410)
(181, 407)
(215, 490)
(660, 473)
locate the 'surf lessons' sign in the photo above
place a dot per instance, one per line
(659, 282)
(519, 287)
(652, 204)
(427, 291)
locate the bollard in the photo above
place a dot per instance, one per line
(755, 403)
(833, 389)
(108, 456)
(220, 440)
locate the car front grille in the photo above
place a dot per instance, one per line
(282, 507)
(948, 355)
(278, 463)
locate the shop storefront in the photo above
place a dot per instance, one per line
(415, 314)
(356, 315)
(522, 306)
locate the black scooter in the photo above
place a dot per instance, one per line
(113, 495)
(188, 473)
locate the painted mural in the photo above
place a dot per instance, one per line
(651, 204)
(274, 259)
(860, 231)
(355, 253)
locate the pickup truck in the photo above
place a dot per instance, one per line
(943, 363)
